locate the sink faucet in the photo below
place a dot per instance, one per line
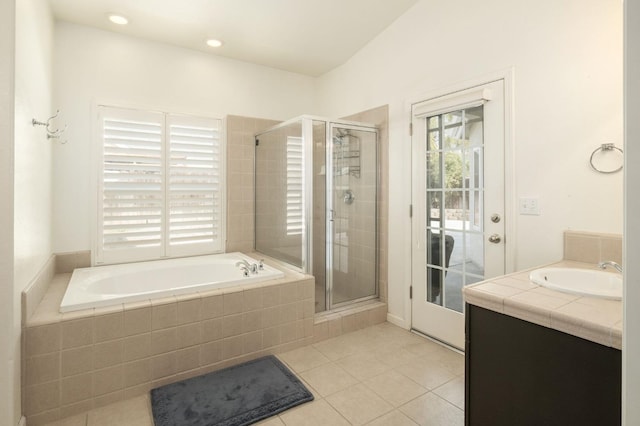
(249, 267)
(603, 265)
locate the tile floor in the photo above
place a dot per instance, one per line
(381, 375)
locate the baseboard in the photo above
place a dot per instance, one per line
(400, 322)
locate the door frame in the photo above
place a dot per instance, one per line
(329, 209)
(510, 219)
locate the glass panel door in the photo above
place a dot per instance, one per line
(458, 198)
(455, 244)
(279, 193)
(352, 214)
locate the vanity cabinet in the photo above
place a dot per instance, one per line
(519, 374)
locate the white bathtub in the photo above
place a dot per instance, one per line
(115, 284)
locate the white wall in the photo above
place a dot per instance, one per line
(631, 326)
(97, 66)
(34, 44)
(9, 328)
(567, 59)
(28, 191)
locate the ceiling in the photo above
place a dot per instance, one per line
(303, 36)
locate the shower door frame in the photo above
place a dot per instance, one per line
(307, 267)
(329, 191)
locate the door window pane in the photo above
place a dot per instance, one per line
(455, 239)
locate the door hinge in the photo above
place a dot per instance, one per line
(411, 129)
(257, 142)
(410, 292)
(410, 210)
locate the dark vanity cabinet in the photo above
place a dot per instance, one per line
(519, 373)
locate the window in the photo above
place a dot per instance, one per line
(294, 185)
(161, 182)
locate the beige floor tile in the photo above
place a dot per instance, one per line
(451, 360)
(131, 412)
(395, 357)
(359, 404)
(425, 347)
(394, 418)
(271, 421)
(79, 420)
(304, 358)
(339, 347)
(427, 373)
(431, 410)
(363, 367)
(328, 379)
(395, 388)
(316, 413)
(452, 391)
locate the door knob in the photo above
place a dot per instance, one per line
(495, 239)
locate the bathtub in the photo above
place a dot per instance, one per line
(133, 282)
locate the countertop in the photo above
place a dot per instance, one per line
(591, 318)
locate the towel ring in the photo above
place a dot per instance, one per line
(605, 147)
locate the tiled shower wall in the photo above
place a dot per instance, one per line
(380, 117)
(240, 180)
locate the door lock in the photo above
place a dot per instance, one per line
(495, 239)
(495, 218)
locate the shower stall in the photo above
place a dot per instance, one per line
(316, 183)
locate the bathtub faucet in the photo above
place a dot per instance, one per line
(245, 270)
(249, 267)
(603, 265)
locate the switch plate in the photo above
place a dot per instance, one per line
(529, 205)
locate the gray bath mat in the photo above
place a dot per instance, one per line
(238, 395)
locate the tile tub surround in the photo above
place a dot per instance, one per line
(590, 318)
(78, 361)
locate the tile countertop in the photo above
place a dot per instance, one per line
(595, 319)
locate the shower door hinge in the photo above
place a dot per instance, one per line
(411, 129)
(257, 142)
(410, 210)
(410, 292)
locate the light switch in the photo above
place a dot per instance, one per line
(529, 205)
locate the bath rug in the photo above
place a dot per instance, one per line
(238, 395)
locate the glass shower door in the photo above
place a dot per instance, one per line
(352, 215)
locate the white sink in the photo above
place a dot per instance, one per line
(587, 282)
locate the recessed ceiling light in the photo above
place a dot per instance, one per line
(118, 19)
(212, 42)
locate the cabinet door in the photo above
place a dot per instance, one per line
(519, 373)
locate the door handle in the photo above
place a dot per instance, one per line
(495, 239)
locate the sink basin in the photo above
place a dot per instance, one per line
(587, 282)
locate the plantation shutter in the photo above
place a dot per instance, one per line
(294, 185)
(132, 198)
(160, 186)
(195, 187)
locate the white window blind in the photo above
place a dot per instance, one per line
(160, 186)
(195, 207)
(294, 185)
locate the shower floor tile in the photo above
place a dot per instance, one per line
(425, 384)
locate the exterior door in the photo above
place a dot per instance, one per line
(458, 201)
